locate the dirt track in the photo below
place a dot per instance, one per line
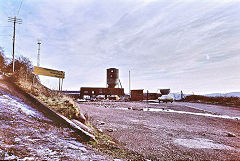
(165, 134)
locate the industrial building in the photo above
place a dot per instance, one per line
(111, 92)
(151, 96)
(112, 81)
(94, 91)
(136, 95)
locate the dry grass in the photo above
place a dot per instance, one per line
(108, 146)
(225, 101)
(61, 103)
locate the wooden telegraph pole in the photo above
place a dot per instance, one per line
(129, 84)
(18, 21)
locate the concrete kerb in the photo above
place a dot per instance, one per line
(65, 120)
(62, 119)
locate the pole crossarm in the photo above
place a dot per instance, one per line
(16, 20)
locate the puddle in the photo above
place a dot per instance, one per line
(153, 103)
(191, 113)
(200, 143)
(183, 112)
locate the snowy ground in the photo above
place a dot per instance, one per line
(26, 134)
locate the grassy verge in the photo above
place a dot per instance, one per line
(108, 146)
(59, 102)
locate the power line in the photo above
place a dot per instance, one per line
(19, 8)
(5, 26)
(6, 35)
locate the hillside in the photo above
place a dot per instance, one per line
(231, 94)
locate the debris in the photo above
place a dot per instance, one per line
(83, 126)
(138, 109)
(229, 134)
(110, 130)
(17, 139)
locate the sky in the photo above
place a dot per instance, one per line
(188, 45)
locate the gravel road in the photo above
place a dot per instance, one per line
(168, 131)
(220, 110)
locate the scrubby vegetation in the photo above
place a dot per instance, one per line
(107, 145)
(25, 79)
(54, 99)
(225, 101)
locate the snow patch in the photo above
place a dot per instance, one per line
(27, 158)
(182, 112)
(200, 143)
(6, 99)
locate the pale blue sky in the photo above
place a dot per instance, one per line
(189, 45)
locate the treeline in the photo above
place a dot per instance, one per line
(225, 101)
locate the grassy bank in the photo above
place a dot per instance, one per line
(24, 78)
(59, 102)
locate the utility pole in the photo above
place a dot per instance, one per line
(147, 96)
(38, 56)
(18, 21)
(129, 85)
(182, 96)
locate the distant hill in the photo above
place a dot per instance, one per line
(177, 96)
(231, 94)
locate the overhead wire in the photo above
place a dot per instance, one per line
(19, 8)
(5, 26)
(6, 35)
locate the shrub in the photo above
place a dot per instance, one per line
(2, 60)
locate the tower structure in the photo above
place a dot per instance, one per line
(112, 77)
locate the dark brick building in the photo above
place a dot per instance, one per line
(137, 95)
